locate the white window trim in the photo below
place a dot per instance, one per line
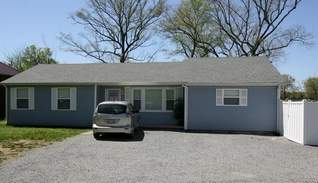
(15, 98)
(107, 94)
(239, 97)
(57, 99)
(163, 92)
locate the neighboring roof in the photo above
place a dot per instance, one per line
(214, 71)
(7, 70)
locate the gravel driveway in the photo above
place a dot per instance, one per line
(165, 156)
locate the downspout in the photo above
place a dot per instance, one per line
(6, 103)
(186, 95)
(278, 113)
(95, 96)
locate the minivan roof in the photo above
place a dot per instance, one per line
(114, 102)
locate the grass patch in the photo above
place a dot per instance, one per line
(14, 140)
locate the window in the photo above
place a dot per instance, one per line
(22, 98)
(137, 99)
(231, 97)
(170, 99)
(113, 95)
(63, 98)
(22, 101)
(112, 109)
(153, 99)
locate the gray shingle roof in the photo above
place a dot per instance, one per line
(245, 70)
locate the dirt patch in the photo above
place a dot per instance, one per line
(13, 149)
(87, 133)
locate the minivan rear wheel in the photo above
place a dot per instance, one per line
(132, 134)
(96, 135)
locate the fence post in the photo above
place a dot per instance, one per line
(279, 112)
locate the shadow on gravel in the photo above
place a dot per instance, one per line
(222, 132)
(138, 136)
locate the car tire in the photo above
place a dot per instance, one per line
(132, 135)
(96, 135)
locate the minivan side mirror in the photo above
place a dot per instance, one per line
(135, 111)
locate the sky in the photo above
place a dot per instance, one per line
(41, 22)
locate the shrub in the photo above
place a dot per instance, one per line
(311, 88)
(179, 111)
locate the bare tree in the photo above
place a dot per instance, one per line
(114, 28)
(218, 28)
(254, 27)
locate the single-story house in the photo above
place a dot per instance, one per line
(237, 94)
(5, 72)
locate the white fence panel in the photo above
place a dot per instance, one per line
(299, 121)
(293, 121)
(311, 123)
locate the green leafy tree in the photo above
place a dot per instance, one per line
(311, 88)
(30, 57)
(295, 95)
(288, 87)
(191, 28)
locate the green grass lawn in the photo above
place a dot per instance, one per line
(14, 140)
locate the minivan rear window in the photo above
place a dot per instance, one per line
(111, 109)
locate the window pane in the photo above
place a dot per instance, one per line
(63, 93)
(137, 104)
(63, 103)
(113, 95)
(170, 105)
(153, 99)
(231, 93)
(137, 94)
(231, 101)
(111, 109)
(170, 94)
(22, 93)
(22, 103)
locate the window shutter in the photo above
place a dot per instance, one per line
(127, 94)
(73, 98)
(13, 98)
(53, 98)
(243, 97)
(219, 97)
(31, 98)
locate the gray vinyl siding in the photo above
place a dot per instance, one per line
(42, 115)
(157, 118)
(259, 115)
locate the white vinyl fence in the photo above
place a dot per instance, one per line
(299, 121)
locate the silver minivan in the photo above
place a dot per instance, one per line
(114, 117)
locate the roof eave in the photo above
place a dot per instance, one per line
(147, 83)
(236, 84)
(94, 83)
